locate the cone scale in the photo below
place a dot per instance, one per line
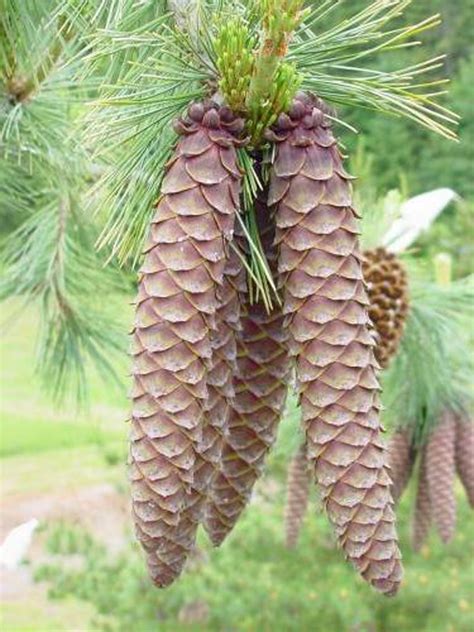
(172, 337)
(326, 313)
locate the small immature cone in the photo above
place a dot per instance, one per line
(297, 496)
(400, 460)
(422, 515)
(326, 307)
(440, 473)
(175, 315)
(260, 393)
(387, 288)
(465, 455)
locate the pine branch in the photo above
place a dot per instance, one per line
(330, 63)
(50, 261)
(279, 18)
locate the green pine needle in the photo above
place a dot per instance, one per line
(433, 367)
(49, 261)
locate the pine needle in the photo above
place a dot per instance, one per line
(433, 368)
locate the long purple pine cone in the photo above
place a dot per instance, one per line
(325, 303)
(172, 347)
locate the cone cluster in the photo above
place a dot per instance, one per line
(448, 449)
(387, 287)
(211, 366)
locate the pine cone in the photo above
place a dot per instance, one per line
(224, 366)
(260, 393)
(465, 455)
(297, 496)
(440, 473)
(326, 307)
(400, 459)
(422, 516)
(175, 314)
(387, 287)
(220, 399)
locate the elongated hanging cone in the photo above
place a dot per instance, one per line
(326, 306)
(260, 392)
(440, 473)
(422, 515)
(465, 455)
(400, 460)
(219, 401)
(297, 496)
(223, 368)
(387, 287)
(175, 314)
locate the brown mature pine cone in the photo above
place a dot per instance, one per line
(297, 496)
(465, 455)
(387, 287)
(422, 515)
(175, 315)
(400, 459)
(326, 306)
(260, 393)
(440, 473)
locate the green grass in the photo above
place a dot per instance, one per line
(22, 435)
(61, 470)
(43, 616)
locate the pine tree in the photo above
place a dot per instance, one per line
(198, 440)
(49, 260)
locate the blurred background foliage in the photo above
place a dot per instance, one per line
(252, 583)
